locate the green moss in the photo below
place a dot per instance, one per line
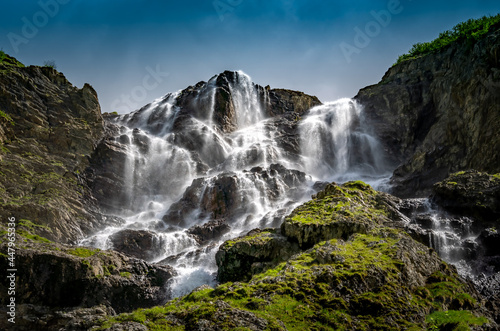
(354, 201)
(126, 274)
(453, 320)
(30, 225)
(83, 252)
(9, 61)
(452, 183)
(33, 237)
(259, 237)
(468, 31)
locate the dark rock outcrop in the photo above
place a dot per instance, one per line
(140, 244)
(257, 251)
(439, 113)
(209, 231)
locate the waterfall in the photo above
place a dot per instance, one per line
(337, 145)
(182, 171)
(453, 237)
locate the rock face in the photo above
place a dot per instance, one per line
(370, 276)
(48, 131)
(439, 114)
(209, 231)
(56, 275)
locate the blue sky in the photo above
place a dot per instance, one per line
(132, 52)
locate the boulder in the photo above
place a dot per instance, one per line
(141, 244)
(211, 230)
(241, 258)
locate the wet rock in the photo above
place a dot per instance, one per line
(229, 195)
(141, 244)
(489, 240)
(212, 230)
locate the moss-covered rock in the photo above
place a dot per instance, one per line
(241, 258)
(336, 212)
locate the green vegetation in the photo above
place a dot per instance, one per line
(351, 201)
(308, 292)
(9, 61)
(126, 274)
(83, 252)
(468, 31)
(454, 320)
(6, 117)
(27, 229)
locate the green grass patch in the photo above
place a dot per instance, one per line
(453, 320)
(83, 252)
(468, 31)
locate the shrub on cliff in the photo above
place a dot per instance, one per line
(470, 30)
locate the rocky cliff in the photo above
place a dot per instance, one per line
(439, 113)
(48, 132)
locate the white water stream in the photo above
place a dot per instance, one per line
(162, 162)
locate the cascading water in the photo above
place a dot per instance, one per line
(454, 238)
(337, 145)
(183, 170)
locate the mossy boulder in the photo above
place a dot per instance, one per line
(336, 212)
(241, 258)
